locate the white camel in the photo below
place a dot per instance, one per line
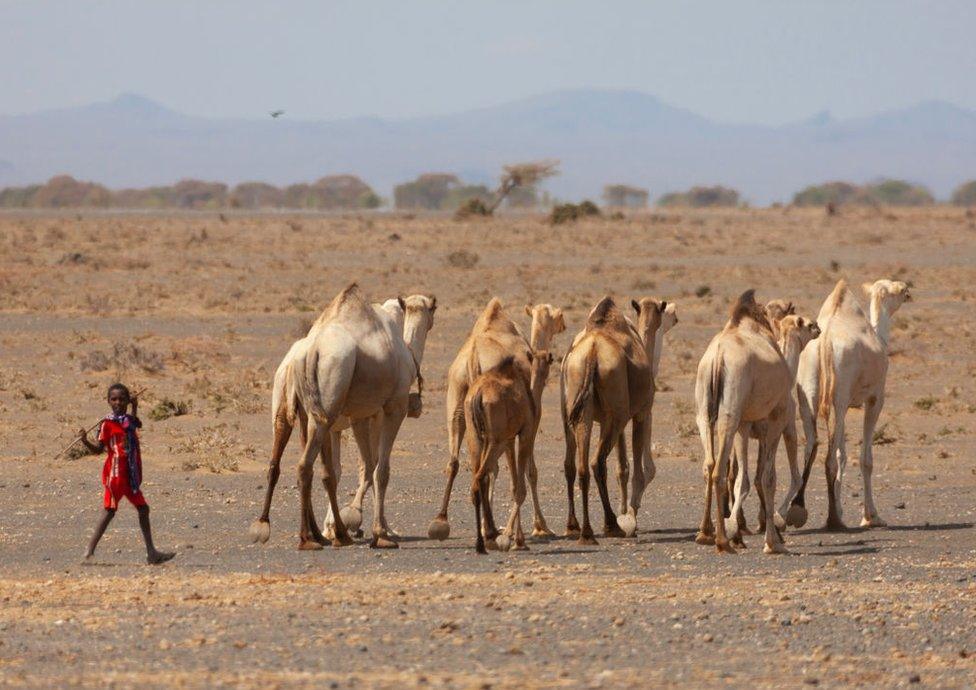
(846, 367)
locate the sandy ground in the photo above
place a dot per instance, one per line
(200, 311)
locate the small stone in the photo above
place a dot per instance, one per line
(707, 637)
(914, 678)
(900, 506)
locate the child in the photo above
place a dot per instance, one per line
(122, 472)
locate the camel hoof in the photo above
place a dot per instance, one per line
(731, 527)
(627, 523)
(543, 531)
(737, 542)
(352, 518)
(796, 516)
(309, 545)
(779, 521)
(724, 547)
(260, 531)
(587, 541)
(503, 542)
(613, 531)
(775, 548)
(340, 541)
(705, 539)
(381, 542)
(835, 525)
(572, 534)
(439, 529)
(520, 546)
(491, 543)
(874, 521)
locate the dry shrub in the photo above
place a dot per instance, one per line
(244, 394)
(213, 450)
(167, 408)
(568, 213)
(196, 353)
(124, 356)
(462, 258)
(473, 207)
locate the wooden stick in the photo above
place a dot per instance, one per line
(92, 428)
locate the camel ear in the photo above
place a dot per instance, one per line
(528, 310)
(790, 309)
(433, 304)
(560, 322)
(636, 305)
(664, 305)
(402, 303)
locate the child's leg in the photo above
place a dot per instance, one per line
(153, 556)
(106, 518)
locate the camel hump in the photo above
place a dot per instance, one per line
(349, 302)
(745, 306)
(836, 298)
(603, 312)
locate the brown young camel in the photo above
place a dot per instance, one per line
(742, 381)
(846, 367)
(355, 366)
(607, 377)
(794, 334)
(502, 406)
(493, 338)
(414, 317)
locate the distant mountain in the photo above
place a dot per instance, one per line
(600, 136)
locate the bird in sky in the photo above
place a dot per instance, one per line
(277, 113)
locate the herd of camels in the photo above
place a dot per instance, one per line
(359, 363)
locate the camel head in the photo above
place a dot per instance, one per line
(775, 311)
(418, 320)
(746, 307)
(803, 329)
(669, 319)
(890, 294)
(650, 316)
(547, 323)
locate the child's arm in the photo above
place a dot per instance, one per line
(93, 447)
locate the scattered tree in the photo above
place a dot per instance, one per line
(702, 197)
(624, 196)
(965, 194)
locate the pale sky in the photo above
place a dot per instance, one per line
(760, 62)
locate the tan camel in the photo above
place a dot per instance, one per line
(357, 366)
(846, 367)
(286, 410)
(669, 319)
(742, 381)
(794, 334)
(607, 378)
(500, 407)
(493, 338)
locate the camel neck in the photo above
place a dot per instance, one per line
(791, 353)
(658, 344)
(415, 335)
(538, 384)
(880, 320)
(537, 338)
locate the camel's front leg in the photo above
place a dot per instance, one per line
(439, 527)
(514, 537)
(797, 514)
(330, 457)
(539, 526)
(767, 459)
(741, 484)
(644, 471)
(790, 441)
(623, 472)
(871, 413)
(609, 433)
(392, 419)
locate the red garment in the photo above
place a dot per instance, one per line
(115, 472)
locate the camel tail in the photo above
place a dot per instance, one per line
(310, 385)
(827, 378)
(586, 391)
(716, 389)
(479, 424)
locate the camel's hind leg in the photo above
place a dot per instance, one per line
(306, 537)
(623, 471)
(583, 429)
(872, 410)
(725, 433)
(741, 490)
(331, 454)
(643, 473)
(261, 528)
(392, 419)
(834, 469)
(609, 433)
(569, 470)
(790, 441)
(706, 529)
(539, 526)
(797, 514)
(767, 460)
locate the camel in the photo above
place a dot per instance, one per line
(493, 338)
(669, 319)
(355, 365)
(742, 382)
(794, 334)
(607, 377)
(846, 367)
(500, 407)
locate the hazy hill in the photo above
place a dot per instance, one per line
(600, 137)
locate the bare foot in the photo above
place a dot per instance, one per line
(159, 557)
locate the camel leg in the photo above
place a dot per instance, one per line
(623, 471)
(774, 543)
(439, 527)
(836, 459)
(317, 433)
(706, 530)
(539, 526)
(760, 487)
(569, 469)
(640, 445)
(741, 490)
(331, 454)
(392, 420)
(583, 430)
(796, 516)
(525, 447)
(871, 413)
(725, 432)
(476, 491)
(609, 434)
(491, 529)
(261, 528)
(790, 441)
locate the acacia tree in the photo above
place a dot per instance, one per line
(521, 175)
